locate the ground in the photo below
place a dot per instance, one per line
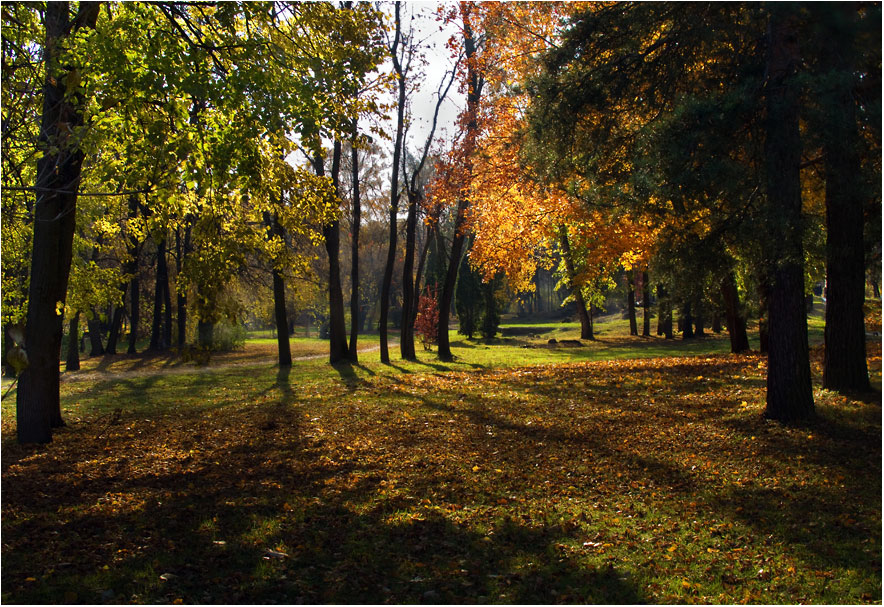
(512, 475)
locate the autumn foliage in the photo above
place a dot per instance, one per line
(427, 322)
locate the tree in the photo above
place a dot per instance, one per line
(789, 394)
(468, 300)
(57, 180)
(844, 366)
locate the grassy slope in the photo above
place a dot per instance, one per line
(651, 480)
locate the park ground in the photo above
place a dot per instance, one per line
(626, 470)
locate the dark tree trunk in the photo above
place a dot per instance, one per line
(73, 357)
(284, 349)
(417, 280)
(736, 322)
(789, 394)
(38, 407)
(646, 306)
(161, 297)
(406, 335)
(387, 283)
(844, 366)
(630, 305)
(134, 312)
(337, 328)
(686, 320)
(205, 334)
(661, 309)
(474, 92)
(716, 322)
(699, 325)
(354, 271)
(94, 325)
(116, 326)
(585, 322)
(166, 341)
(181, 249)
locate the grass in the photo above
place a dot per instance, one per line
(541, 475)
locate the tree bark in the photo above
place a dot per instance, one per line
(687, 322)
(181, 249)
(387, 282)
(789, 394)
(134, 312)
(475, 82)
(284, 349)
(332, 234)
(354, 267)
(646, 306)
(38, 408)
(844, 365)
(630, 305)
(406, 332)
(736, 322)
(94, 326)
(73, 357)
(585, 322)
(161, 300)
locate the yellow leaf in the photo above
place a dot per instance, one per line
(30, 579)
(475, 468)
(685, 584)
(672, 549)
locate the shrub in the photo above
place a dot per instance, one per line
(427, 322)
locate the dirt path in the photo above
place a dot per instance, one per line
(188, 369)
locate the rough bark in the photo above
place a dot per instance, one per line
(475, 82)
(582, 314)
(337, 329)
(38, 407)
(789, 394)
(96, 348)
(181, 249)
(161, 303)
(687, 322)
(73, 358)
(736, 322)
(284, 349)
(630, 305)
(387, 282)
(354, 266)
(406, 333)
(844, 366)
(134, 312)
(646, 306)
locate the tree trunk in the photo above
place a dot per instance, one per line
(94, 327)
(116, 325)
(205, 334)
(585, 322)
(475, 82)
(332, 234)
(73, 358)
(38, 407)
(630, 305)
(406, 334)
(736, 322)
(686, 319)
(716, 322)
(134, 312)
(181, 249)
(789, 394)
(354, 271)
(161, 289)
(387, 282)
(284, 349)
(417, 280)
(844, 366)
(646, 306)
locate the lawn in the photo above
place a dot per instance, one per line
(515, 474)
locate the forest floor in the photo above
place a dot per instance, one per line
(514, 475)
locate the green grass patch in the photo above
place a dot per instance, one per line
(512, 475)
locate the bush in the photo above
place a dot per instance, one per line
(427, 322)
(228, 336)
